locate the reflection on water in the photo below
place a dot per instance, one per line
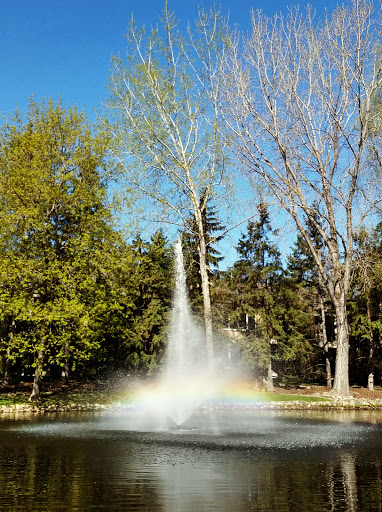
(229, 461)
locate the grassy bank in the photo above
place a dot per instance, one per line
(94, 396)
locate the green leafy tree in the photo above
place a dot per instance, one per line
(165, 116)
(131, 296)
(54, 199)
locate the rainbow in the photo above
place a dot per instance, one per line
(154, 394)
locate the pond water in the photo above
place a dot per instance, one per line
(232, 460)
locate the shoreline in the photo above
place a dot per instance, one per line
(328, 404)
(119, 395)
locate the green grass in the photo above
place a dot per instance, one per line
(281, 397)
(81, 397)
(59, 399)
(10, 399)
(65, 398)
(262, 396)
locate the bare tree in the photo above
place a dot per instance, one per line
(165, 117)
(299, 103)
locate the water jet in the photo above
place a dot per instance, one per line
(187, 380)
(173, 446)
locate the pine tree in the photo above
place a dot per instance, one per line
(153, 278)
(255, 285)
(211, 227)
(267, 307)
(365, 306)
(303, 274)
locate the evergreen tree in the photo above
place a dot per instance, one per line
(303, 274)
(211, 227)
(365, 307)
(267, 307)
(153, 276)
(255, 285)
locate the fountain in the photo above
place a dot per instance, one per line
(187, 380)
(217, 458)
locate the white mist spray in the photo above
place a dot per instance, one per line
(186, 374)
(187, 381)
(186, 355)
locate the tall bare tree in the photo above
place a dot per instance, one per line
(165, 118)
(299, 98)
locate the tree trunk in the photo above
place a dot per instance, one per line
(7, 365)
(341, 377)
(206, 302)
(325, 342)
(37, 381)
(370, 378)
(65, 371)
(205, 287)
(328, 370)
(7, 359)
(269, 382)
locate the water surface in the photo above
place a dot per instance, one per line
(233, 460)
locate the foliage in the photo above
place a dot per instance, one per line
(74, 296)
(211, 228)
(264, 307)
(53, 199)
(165, 117)
(79, 297)
(364, 305)
(153, 278)
(253, 282)
(302, 119)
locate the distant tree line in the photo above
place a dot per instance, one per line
(80, 300)
(293, 108)
(270, 310)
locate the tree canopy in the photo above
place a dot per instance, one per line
(295, 106)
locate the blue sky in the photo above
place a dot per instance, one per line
(62, 48)
(52, 48)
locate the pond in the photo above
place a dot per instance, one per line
(228, 460)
